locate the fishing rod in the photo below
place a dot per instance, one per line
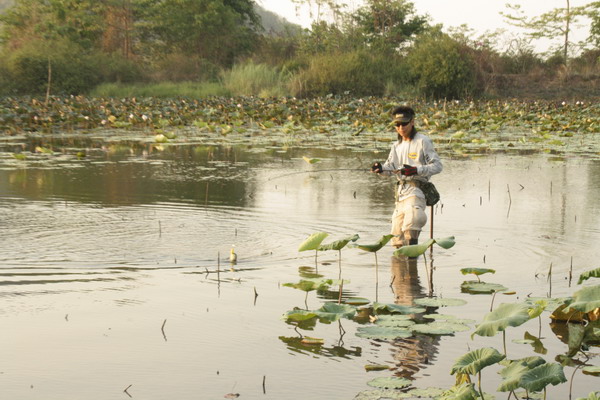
(319, 170)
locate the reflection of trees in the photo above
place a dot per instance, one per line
(410, 353)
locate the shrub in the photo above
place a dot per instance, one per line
(161, 89)
(443, 68)
(256, 79)
(358, 73)
(179, 67)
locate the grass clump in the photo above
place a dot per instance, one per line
(161, 89)
(256, 79)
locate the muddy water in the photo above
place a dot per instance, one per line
(115, 280)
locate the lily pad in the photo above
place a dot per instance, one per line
(382, 332)
(477, 271)
(439, 302)
(390, 383)
(439, 328)
(299, 315)
(333, 312)
(357, 301)
(397, 321)
(397, 308)
(476, 287)
(464, 391)
(449, 318)
(376, 367)
(378, 394)
(591, 370)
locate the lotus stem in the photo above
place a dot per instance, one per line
(376, 278)
(504, 342)
(340, 263)
(306, 301)
(571, 384)
(493, 297)
(479, 383)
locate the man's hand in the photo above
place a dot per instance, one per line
(376, 167)
(408, 170)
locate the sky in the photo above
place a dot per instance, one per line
(480, 15)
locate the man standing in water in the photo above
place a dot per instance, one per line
(412, 159)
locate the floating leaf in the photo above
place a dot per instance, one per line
(376, 367)
(430, 392)
(390, 383)
(476, 287)
(309, 285)
(476, 360)
(586, 299)
(312, 341)
(299, 315)
(505, 315)
(439, 328)
(449, 318)
(397, 308)
(397, 321)
(595, 273)
(543, 375)
(382, 332)
(591, 370)
(333, 312)
(378, 394)
(313, 241)
(439, 302)
(311, 160)
(338, 244)
(357, 301)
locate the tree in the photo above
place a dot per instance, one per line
(554, 24)
(388, 24)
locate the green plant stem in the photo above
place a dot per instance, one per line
(479, 383)
(504, 342)
(306, 301)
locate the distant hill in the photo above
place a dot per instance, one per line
(5, 4)
(274, 23)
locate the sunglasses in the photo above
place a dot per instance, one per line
(398, 124)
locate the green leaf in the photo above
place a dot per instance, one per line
(477, 271)
(390, 383)
(397, 308)
(338, 244)
(439, 302)
(439, 328)
(396, 321)
(591, 396)
(357, 301)
(475, 287)
(313, 241)
(543, 375)
(595, 273)
(382, 332)
(414, 250)
(537, 308)
(591, 370)
(309, 285)
(464, 391)
(505, 315)
(333, 311)
(376, 367)
(446, 243)
(586, 299)
(372, 248)
(512, 376)
(476, 360)
(299, 315)
(310, 160)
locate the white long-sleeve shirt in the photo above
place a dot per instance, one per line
(417, 152)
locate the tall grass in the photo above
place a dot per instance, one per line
(256, 79)
(161, 89)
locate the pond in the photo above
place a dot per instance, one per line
(116, 282)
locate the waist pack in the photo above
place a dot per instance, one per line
(432, 196)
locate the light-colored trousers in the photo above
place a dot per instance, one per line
(408, 219)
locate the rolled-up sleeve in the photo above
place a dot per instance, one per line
(432, 164)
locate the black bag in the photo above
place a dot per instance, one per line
(432, 196)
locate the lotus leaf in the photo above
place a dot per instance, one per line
(372, 248)
(476, 287)
(566, 313)
(449, 318)
(512, 376)
(438, 302)
(311, 160)
(390, 383)
(465, 391)
(541, 376)
(430, 392)
(381, 394)
(595, 273)
(586, 299)
(309, 285)
(591, 396)
(439, 328)
(536, 343)
(382, 332)
(313, 241)
(477, 271)
(338, 244)
(376, 367)
(357, 301)
(474, 361)
(537, 308)
(531, 362)
(299, 315)
(312, 341)
(505, 315)
(333, 312)
(398, 321)
(591, 370)
(397, 308)
(446, 242)
(414, 250)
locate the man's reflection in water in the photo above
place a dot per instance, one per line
(414, 352)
